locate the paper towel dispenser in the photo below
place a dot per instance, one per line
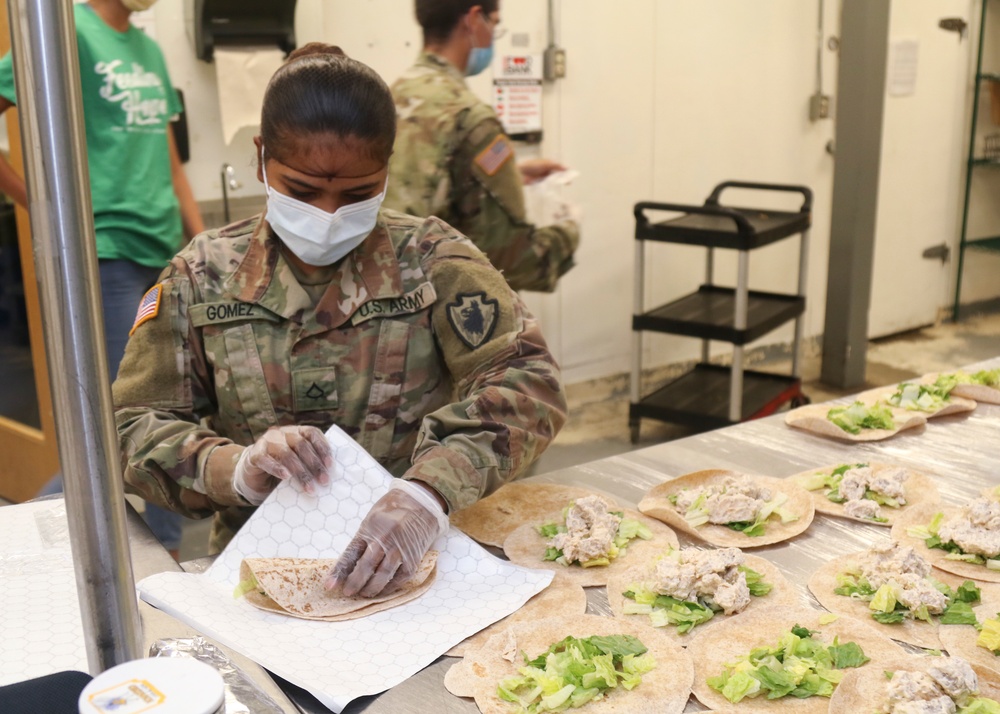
(240, 22)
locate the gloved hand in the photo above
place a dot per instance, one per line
(391, 542)
(283, 452)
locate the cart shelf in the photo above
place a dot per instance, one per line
(709, 314)
(710, 396)
(732, 228)
(700, 398)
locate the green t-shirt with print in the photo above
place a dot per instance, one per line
(128, 102)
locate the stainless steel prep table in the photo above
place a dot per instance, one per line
(960, 452)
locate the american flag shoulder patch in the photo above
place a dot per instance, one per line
(494, 156)
(149, 306)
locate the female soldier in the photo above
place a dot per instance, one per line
(327, 310)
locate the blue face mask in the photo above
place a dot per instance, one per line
(479, 59)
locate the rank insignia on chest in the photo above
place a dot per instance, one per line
(473, 317)
(149, 306)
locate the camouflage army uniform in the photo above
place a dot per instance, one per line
(444, 164)
(417, 349)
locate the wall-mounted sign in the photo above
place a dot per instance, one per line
(517, 93)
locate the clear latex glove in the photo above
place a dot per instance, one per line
(391, 542)
(283, 452)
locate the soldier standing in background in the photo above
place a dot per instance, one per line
(328, 310)
(452, 159)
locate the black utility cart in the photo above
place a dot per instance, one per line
(711, 396)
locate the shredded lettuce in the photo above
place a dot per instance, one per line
(919, 397)
(857, 416)
(980, 705)
(989, 636)
(575, 671)
(886, 608)
(245, 586)
(799, 666)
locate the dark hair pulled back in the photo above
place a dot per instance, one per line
(438, 18)
(320, 90)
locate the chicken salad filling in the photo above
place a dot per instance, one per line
(590, 534)
(737, 503)
(949, 686)
(689, 587)
(971, 534)
(897, 585)
(861, 489)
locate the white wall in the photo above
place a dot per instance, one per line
(663, 99)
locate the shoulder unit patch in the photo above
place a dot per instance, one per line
(149, 306)
(473, 317)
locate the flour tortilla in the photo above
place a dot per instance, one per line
(812, 418)
(782, 593)
(561, 597)
(916, 632)
(657, 504)
(664, 690)
(495, 517)
(921, 516)
(917, 488)
(736, 637)
(526, 547)
(294, 586)
(960, 640)
(865, 689)
(956, 404)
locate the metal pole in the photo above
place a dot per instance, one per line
(47, 78)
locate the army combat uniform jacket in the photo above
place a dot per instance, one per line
(452, 160)
(417, 349)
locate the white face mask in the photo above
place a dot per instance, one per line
(312, 234)
(138, 5)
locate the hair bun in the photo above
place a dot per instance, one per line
(315, 49)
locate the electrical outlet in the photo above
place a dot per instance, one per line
(555, 63)
(819, 106)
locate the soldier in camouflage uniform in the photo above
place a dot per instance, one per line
(413, 343)
(452, 159)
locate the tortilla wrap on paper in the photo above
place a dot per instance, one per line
(921, 516)
(664, 690)
(526, 546)
(812, 418)
(561, 597)
(918, 489)
(490, 520)
(916, 632)
(736, 637)
(294, 586)
(656, 503)
(960, 640)
(864, 689)
(956, 404)
(782, 593)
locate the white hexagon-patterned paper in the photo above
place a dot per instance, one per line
(40, 631)
(340, 661)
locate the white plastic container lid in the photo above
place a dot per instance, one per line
(160, 685)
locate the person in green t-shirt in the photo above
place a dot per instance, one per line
(144, 209)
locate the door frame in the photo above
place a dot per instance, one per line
(31, 456)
